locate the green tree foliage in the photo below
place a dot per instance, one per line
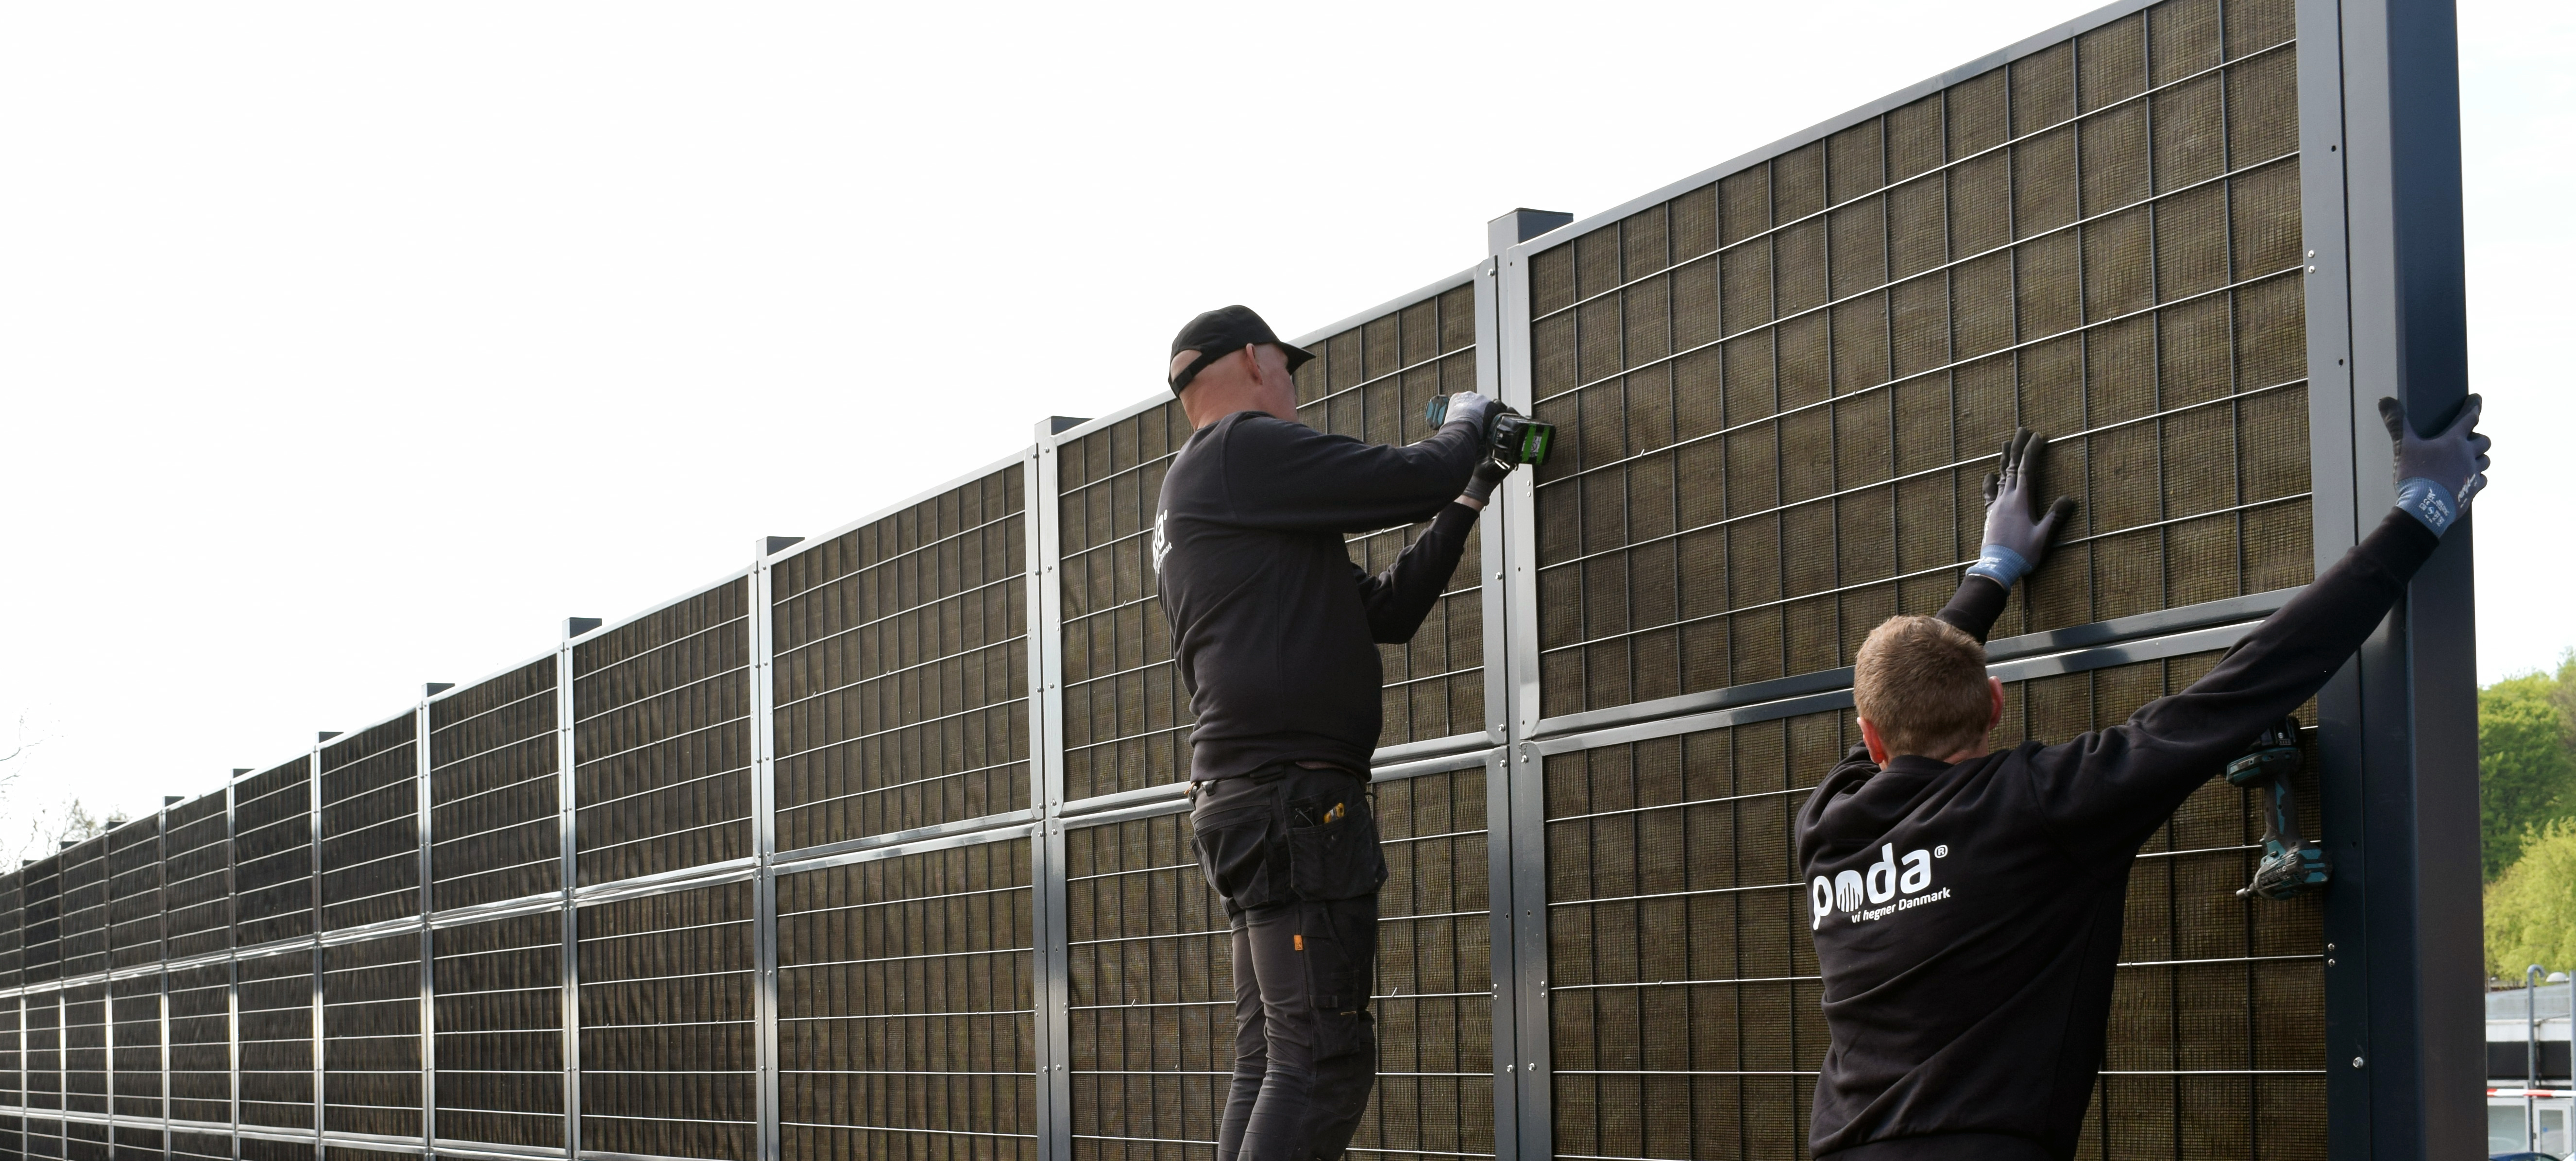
(2526, 761)
(2531, 909)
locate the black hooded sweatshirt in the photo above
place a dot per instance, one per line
(1967, 917)
(1275, 630)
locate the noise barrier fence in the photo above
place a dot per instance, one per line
(876, 847)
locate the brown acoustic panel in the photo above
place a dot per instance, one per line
(13, 1055)
(371, 1036)
(188, 1146)
(274, 998)
(1684, 999)
(901, 671)
(1152, 1004)
(41, 950)
(137, 1143)
(371, 825)
(268, 1149)
(906, 1007)
(667, 1061)
(1126, 718)
(134, 893)
(43, 1016)
(662, 739)
(200, 1006)
(13, 928)
(1371, 383)
(196, 877)
(272, 851)
(44, 1137)
(499, 997)
(495, 793)
(134, 1015)
(86, 1141)
(1779, 392)
(85, 1048)
(84, 909)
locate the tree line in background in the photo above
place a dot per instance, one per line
(2527, 819)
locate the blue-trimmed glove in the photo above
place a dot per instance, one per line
(2017, 533)
(2436, 475)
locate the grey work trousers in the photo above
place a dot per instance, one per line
(1294, 853)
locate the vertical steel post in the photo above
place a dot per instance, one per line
(2399, 725)
(232, 967)
(161, 948)
(567, 831)
(313, 833)
(1052, 989)
(428, 899)
(764, 845)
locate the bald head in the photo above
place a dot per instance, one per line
(1253, 377)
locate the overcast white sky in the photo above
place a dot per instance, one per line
(346, 347)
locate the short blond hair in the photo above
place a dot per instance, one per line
(1922, 682)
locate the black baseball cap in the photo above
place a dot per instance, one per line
(1222, 332)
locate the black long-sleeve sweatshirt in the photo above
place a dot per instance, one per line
(1274, 628)
(1967, 917)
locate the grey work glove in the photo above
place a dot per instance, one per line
(2017, 534)
(1469, 406)
(2437, 474)
(1480, 487)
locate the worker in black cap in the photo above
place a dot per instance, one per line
(1276, 633)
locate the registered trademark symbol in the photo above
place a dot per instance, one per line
(1941, 852)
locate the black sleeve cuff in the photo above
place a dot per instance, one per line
(1977, 605)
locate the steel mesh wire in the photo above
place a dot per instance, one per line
(201, 1083)
(86, 1141)
(1152, 991)
(499, 1000)
(134, 1014)
(13, 929)
(274, 1041)
(662, 739)
(13, 1057)
(267, 1149)
(84, 908)
(272, 849)
(1830, 374)
(907, 1021)
(667, 1064)
(136, 1143)
(370, 843)
(85, 1048)
(494, 790)
(371, 1036)
(901, 671)
(201, 1146)
(44, 1137)
(134, 893)
(196, 878)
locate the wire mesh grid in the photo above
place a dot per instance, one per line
(199, 1000)
(667, 1061)
(1370, 383)
(13, 1056)
(371, 826)
(134, 893)
(134, 1015)
(84, 904)
(662, 739)
(1684, 996)
(499, 1002)
(44, 1137)
(13, 929)
(1151, 1011)
(42, 948)
(268, 1149)
(371, 1064)
(42, 1014)
(201, 1146)
(901, 671)
(272, 850)
(196, 878)
(1783, 388)
(1126, 718)
(274, 998)
(137, 1143)
(86, 1141)
(85, 1048)
(494, 790)
(906, 1008)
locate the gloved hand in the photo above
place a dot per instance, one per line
(2437, 474)
(1480, 487)
(1469, 406)
(2017, 535)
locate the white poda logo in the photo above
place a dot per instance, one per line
(1162, 542)
(1878, 886)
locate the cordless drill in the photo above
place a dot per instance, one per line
(1511, 438)
(2289, 865)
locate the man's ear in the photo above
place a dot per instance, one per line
(1877, 745)
(1995, 686)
